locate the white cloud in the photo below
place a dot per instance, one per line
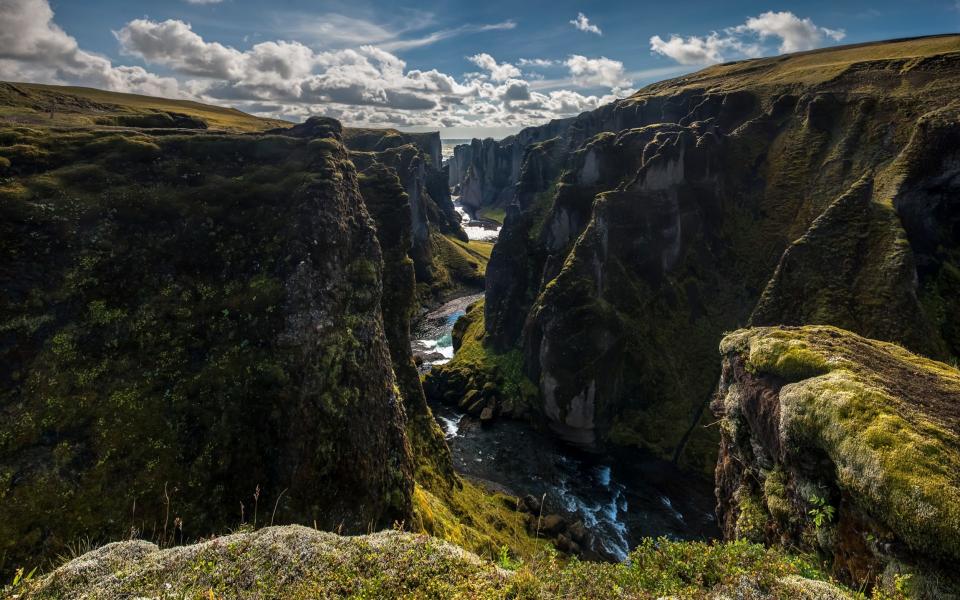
(795, 34)
(334, 30)
(583, 24)
(34, 48)
(173, 44)
(361, 85)
(498, 72)
(538, 62)
(596, 72)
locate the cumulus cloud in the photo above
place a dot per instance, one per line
(596, 72)
(498, 72)
(795, 34)
(34, 48)
(583, 24)
(361, 85)
(535, 62)
(173, 44)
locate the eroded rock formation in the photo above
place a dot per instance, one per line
(842, 445)
(812, 188)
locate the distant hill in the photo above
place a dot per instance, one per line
(38, 104)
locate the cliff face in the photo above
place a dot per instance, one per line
(485, 172)
(812, 188)
(414, 159)
(192, 335)
(842, 445)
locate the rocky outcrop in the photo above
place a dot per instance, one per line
(192, 335)
(299, 563)
(842, 445)
(432, 214)
(486, 172)
(389, 204)
(801, 189)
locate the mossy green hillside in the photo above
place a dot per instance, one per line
(807, 188)
(478, 375)
(55, 105)
(166, 348)
(299, 563)
(886, 419)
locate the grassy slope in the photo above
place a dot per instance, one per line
(79, 106)
(803, 68)
(298, 563)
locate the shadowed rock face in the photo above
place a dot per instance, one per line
(485, 172)
(428, 200)
(188, 320)
(816, 188)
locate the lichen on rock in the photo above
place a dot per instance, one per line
(854, 442)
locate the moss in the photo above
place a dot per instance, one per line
(480, 521)
(775, 496)
(885, 418)
(299, 563)
(154, 310)
(475, 360)
(751, 518)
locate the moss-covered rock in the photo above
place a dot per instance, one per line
(815, 188)
(479, 376)
(842, 444)
(191, 336)
(298, 563)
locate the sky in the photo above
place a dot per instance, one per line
(468, 69)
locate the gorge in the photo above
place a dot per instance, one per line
(699, 342)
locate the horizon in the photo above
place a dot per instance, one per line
(456, 68)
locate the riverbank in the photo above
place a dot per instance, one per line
(619, 499)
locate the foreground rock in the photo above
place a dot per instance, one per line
(298, 563)
(842, 445)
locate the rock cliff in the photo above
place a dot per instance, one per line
(200, 329)
(818, 187)
(843, 445)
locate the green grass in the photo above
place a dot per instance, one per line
(299, 563)
(492, 214)
(476, 362)
(80, 106)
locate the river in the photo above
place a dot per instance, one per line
(620, 499)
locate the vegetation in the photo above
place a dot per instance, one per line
(157, 294)
(54, 105)
(492, 214)
(885, 417)
(864, 450)
(295, 562)
(480, 375)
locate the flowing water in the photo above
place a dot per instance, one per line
(620, 499)
(484, 231)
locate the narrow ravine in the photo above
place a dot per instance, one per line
(619, 499)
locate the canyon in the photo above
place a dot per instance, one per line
(744, 280)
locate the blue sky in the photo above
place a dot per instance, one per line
(479, 67)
